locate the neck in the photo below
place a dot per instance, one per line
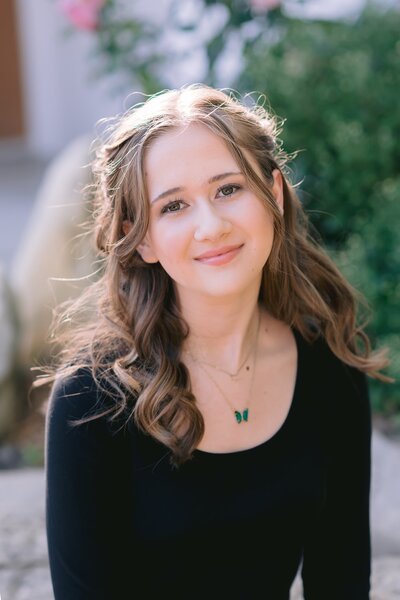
(222, 333)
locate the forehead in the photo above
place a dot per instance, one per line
(185, 151)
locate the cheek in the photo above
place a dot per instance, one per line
(262, 222)
(263, 236)
(170, 242)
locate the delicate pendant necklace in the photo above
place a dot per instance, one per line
(243, 415)
(218, 368)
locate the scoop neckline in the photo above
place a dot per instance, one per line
(272, 440)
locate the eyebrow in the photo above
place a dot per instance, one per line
(213, 179)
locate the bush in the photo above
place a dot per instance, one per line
(336, 86)
(371, 261)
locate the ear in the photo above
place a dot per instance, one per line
(277, 189)
(144, 248)
(146, 251)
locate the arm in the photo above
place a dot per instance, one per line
(84, 512)
(337, 553)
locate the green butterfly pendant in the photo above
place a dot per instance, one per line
(242, 416)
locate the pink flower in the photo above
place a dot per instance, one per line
(263, 6)
(84, 14)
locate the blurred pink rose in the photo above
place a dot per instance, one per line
(84, 14)
(261, 6)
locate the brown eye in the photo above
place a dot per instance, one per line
(228, 190)
(172, 207)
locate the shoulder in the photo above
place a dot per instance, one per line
(82, 458)
(337, 397)
(345, 387)
(79, 388)
(77, 396)
(317, 362)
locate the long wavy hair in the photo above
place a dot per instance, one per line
(126, 327)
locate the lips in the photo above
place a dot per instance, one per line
(218, 251)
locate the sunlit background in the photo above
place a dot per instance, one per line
(329, 70)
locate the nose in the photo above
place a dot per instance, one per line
(210, 223)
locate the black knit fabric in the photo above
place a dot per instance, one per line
(122, 523)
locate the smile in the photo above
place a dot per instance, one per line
(220, 259)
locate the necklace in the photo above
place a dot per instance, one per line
(240, 416)
(218, 368)
(231, 375)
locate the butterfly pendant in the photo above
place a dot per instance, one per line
(242, 416)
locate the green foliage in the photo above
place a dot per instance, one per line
(336, 85)
(370, 259)
(127, 47)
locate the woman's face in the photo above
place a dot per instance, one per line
(201, 202)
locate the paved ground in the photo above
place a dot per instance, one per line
(24, 573)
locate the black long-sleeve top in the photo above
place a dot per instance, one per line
(122, 523)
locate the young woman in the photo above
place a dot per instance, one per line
(209, 425)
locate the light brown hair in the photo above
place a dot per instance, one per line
(131, 333)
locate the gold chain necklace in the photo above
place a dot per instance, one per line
(231, 375)
(240, 416)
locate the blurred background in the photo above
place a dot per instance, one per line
(328, 69)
